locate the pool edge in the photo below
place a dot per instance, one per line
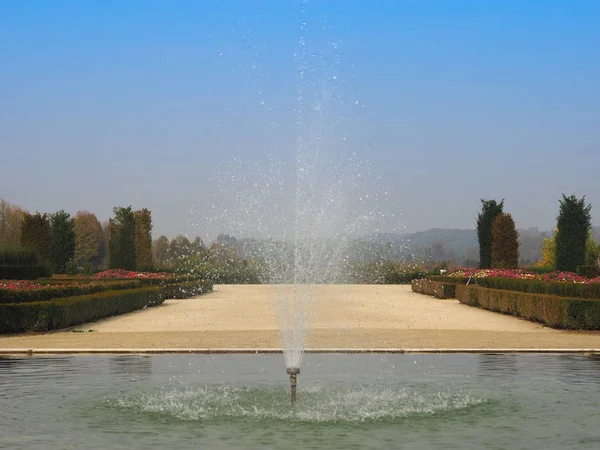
(220, 351)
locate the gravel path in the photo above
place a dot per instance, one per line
(344, 316)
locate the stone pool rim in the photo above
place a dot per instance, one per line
(249, 351)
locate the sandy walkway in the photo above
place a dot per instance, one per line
(344, 317)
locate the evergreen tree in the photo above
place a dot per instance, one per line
(160, 251)
(489, 210)
(63, 241)
(36, 234)
(505, 243)
(121, 243)
(574, 223)
(143, 239)
(11, 217)
(89, 248)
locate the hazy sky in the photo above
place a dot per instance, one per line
(189, 108)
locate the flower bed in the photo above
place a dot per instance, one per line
(522, 274)
(128, 275)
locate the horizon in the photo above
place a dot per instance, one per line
(197, 111)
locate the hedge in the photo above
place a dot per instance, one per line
(403, 276)
(10, 272)
(551, 310)
(168, 280)
(532, 286)
(448, 279)
(16, 256)
(188, 289)
(558, 288)
(46, 293)
(438, 290)
(65, 312)
(588, 271)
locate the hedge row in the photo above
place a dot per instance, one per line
(447, 279)
(551, 310)
(532, 286)
(46, 293)
(65, 312)
(25, 272)
(402, 276)
(188, 289)
(18, 257)
(434, 288)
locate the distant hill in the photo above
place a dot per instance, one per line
(436, 244)
(460, 245)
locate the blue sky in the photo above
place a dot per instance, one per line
(168, 105)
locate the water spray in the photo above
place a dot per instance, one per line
(293, 373)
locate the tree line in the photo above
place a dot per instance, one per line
(571, 248)
(68, 244)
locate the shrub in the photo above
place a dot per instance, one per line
(588, 271)
(47, 293)
(551, 310)
(188, 289)
(16, 256)
(23, 272)
(65, 312)
(402, 274)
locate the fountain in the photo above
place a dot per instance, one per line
(335, 196)
(293, 372)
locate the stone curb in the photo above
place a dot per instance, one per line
(220, 351)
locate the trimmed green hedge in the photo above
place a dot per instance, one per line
(188, 289)
(559, 288)
(551, 310)
(403, 276)
(46, 293)
(17, 256)
(65, 312)
(23, 272)
(588, 271)
(447, 279)
(434, 288)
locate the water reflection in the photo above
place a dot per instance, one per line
(131, 365)
(503, 366)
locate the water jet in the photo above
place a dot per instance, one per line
(293, 372)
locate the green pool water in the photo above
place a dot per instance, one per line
(457, 401)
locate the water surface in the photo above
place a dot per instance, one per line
(494, 401)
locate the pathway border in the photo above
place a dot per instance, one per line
(222, 351)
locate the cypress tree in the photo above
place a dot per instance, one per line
(121, 243)
(505, 243)
(36, 234)
(63, 241)
(489, 210)
(143, 239)
(574, 223)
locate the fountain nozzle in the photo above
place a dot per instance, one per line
(293, 373)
